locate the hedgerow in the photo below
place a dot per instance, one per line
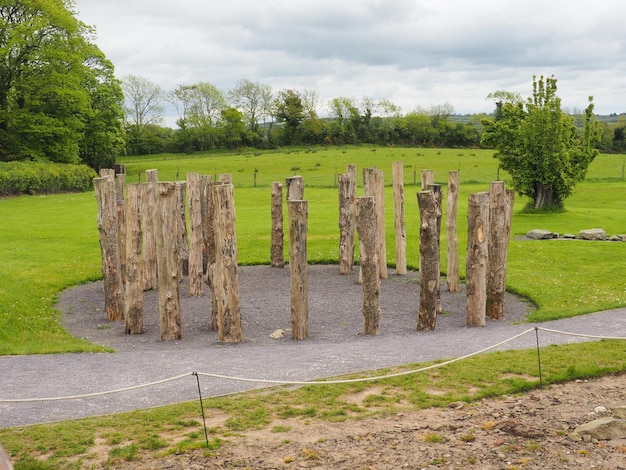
(18, 178)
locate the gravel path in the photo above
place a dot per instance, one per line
(335, 345)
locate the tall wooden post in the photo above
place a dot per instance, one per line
(429, 261)
(148, 221)
(399, 223)
(294, 188)
(183, 244)
(278, 233)
(109, 246)
(210, 242)
(368, 260)
(195, 234)
(374, 185)
(205, 196)
(226, 278)
(120, 184)
(134, 281)
(476, 258)
(452, 239)
(347, 219)
(168, 261)
(428, 178)
(499, 231)
(438, 193)
(298, 224)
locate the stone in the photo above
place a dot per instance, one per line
(277, 334)
(569, 236)
(615, 238)
(592, 234)
(538, 234)
(601, 429)
(619, 412)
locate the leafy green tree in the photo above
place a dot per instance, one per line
(254, 100)
(53, 84)
(540, 146)
(289, 110)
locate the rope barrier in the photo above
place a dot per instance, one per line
(303, 382)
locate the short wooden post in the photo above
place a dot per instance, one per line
(428, 178)
(277, 249)
(109, 247)
(368, 260)
(168, 261)
(347, 219)
(195, 234)
(374, 185)
(226, 278)
(499, 231)
(134, 281)
(148, 221)
(294, 188)
(452, 238)
(399, 223)
(107, 172)
(183, 244)
(438, 193)
(476, 258)
(298, 212)
(429, 261)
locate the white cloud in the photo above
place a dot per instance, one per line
(412, 52)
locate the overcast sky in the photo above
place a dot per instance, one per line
(412, 52)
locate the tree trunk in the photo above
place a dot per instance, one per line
(278, 235)
(476, 258)
(183, 243)
(148, 219)
(399, 223)
(368, 260)
(195, 234)
(347, 220)
(429, 261)
(168, 261)
(109, 246)
(438, 193)
(452, 239)
(211, 250)
(374, 185)
(544, 196)
(498, 246)
(226, 277)
(428, 178)
(134, 280)
(295, 188)
(120, 183)
(298, 222)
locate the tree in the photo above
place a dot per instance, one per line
(254, 100)
(56, 87)
(143, 101)
(289, 109)
(540, 146)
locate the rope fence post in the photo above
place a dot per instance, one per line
(539, 357)
(206, 433)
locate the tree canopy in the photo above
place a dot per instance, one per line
(540, 145)
(59, 99)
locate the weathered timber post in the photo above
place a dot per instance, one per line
(148, 221)
(107, 172)
(195, 234)
(109, 246)
(120, 184)
(207, 226)
(294, 188)
(226, 178)
(438, 192)
(298, 223)
(429, 262)
(183, 244)
(499, 231)
(428, 178)
(134, 281)
(278, 234)
(168, 261)
(210, 241)
(452, 238)
(476, 258)
(225, 279)
(399, 223)
(347, 219)
(374, 185)
(368, 260)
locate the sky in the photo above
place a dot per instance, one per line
(415, 53)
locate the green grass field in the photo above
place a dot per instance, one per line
(51, 242)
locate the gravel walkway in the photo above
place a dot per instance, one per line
(335, 345)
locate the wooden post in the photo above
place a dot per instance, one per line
(183, 244)
(134, 281)
(347, 219)
(278, 234)
(225, 280)
(120, 183)
(368, 260)
(210, 241)
(429, 261)
(499, 231)
(168, 261)
(109, 246)
(438, 193)
(476, 258)
(295, 188)
(207, 227)
(107, 172)
(452, 239)
(399, 223)
(298, 222)
(148, 221)
(428, 178)
(374, 185)
(195, 234)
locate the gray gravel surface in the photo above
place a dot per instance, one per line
(335, 346)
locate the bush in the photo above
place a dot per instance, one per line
(36, 178)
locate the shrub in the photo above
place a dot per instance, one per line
(36, 178)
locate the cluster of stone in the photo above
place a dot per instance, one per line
(587, 234)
